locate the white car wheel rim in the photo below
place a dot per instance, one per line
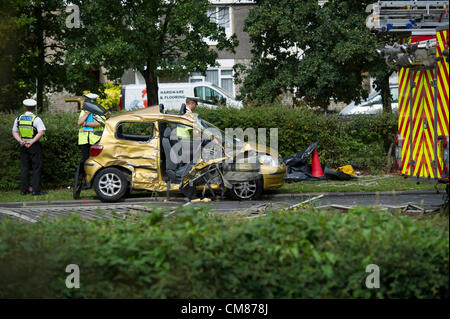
(245, 190)
(110, 184)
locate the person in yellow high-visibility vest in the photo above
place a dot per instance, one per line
(184, 131)
(90, 128)
(28, 130)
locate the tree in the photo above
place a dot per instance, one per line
(31, 45)
(154, 37)
(13, 82)
(322, 51)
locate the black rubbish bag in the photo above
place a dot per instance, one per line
(297, 167)
(300, 158)
(301, 176)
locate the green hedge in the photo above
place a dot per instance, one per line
(361, 141)
(196, 255)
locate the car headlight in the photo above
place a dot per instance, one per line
(268, 160)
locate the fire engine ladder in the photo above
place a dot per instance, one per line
(406, 16)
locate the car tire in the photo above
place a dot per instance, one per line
(247, 190)
(110, 184)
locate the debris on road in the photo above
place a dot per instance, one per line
(20, 216)
(302, 204)
(409, 209)
(257, 209)
(204, 200)
(175, 210)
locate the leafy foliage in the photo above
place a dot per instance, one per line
(322, 51)
(157, 38)
(195, 255)
(109, 96)
(15, 81)
(31, 50)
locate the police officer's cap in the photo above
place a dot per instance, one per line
(29, 102)
(191, 99)
(91, 96)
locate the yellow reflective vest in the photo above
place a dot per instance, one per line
(26, 129)
(91, 135)
(184, 131)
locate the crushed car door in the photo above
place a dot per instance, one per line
(138, 151)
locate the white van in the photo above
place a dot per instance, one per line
(173, 95)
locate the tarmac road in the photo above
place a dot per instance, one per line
(92, 209)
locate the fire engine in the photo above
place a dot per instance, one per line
(421, 57)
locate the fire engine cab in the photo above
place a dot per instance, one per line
(421, 57)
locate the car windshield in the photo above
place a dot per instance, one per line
(218, 134)
(212, 130)
(375, 97)
(222, 91)
(371, 96)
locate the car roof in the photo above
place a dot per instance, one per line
(150, 113)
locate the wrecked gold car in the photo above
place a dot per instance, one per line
(148, 149)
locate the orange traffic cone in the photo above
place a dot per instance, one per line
(316, 167)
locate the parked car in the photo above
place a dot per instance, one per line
(135, 152)
(372, 105)
(172, 95)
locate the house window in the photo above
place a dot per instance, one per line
(222, 17)
(226, 81)
(196, 77)
(212, 76)
(222, 78)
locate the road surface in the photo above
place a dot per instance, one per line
(32, 212)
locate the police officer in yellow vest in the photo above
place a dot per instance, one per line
(185, 134)
(90, 128)
(184, 131)
(27, 130)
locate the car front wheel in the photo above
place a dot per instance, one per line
(110, 184)
(247, 190)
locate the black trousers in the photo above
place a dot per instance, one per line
(31, 158)
(84, 148)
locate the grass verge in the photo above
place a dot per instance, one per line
(362, 184)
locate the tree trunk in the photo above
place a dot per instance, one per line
(389, 155)
(386, 95)
(40, 59)
(151, 81)
(40, 81)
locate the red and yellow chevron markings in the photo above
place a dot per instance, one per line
(404, 118)
(442, 38)
(417, 123)
(428, 114)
